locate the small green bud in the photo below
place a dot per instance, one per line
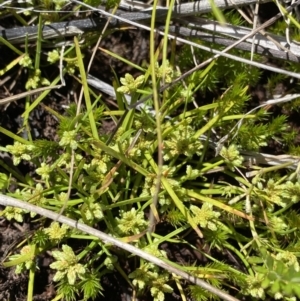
(110, 261)
(165, 71)
(92, 211)
(45, 81)
(26, 61)
(55, 232)
(205, 216)
(44, 171)
(69, 139)
(232, 156)
(34, 80)
(53, 56)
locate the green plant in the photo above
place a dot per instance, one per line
(199, 180)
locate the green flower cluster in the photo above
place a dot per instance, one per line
(67, 265)
(131, 222)
(149, 275)
(20, 151)
(205, 217)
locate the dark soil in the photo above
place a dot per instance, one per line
(132, 44)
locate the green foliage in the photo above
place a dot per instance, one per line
(3, 180)
(90, 286)
(68, 291)
(59, 4)
(204, 183)
(103, 191)
(199, 294)
(175, 217)
(180, 141)
(254, 134)
(225, 71)
(279, 277)
(24, 260)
